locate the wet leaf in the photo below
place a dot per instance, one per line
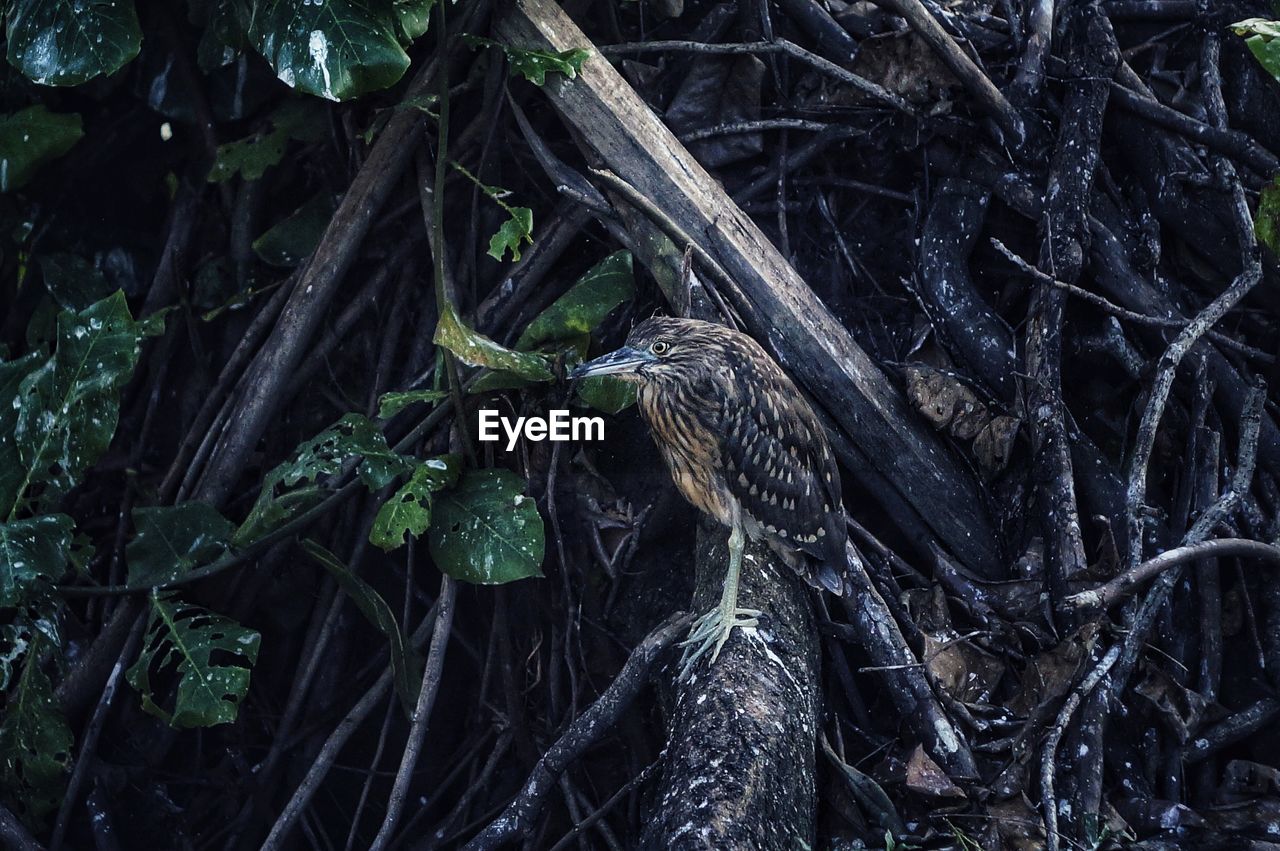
(33, 553)
(486, 531)
(32, 137)
(408, 510)
(1266, 222)
(1263, 38)
(719, 90)
(335, 49)
(406, 671)
(516, 229)
(251, 156)
(35, 746)
(534, 65)
(172, 539)
(181, 641)
(291, 240)
(72, 281)
(607, 393)
(68, 407)
(65, 42)
(413, 18)
(326, 454)
(587, 303)
(472, 347)
(390, 404)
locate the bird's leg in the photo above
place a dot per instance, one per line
(712, 630)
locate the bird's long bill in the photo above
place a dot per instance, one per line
(624, 360)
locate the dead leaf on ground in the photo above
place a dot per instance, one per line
(924, 776)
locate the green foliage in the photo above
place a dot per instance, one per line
(181, 640)
(390, 404)
(251, 156)
(486, 531)
(593, 297)
(607, 393)
(67, 42)
(534, 65)
(35, 747)
(354, 436)
(1266, 222)
(31, 137)
(1263, 38)
(33, 553)
(172, 539)
(412, 18)
(517, 229)
(408, 510)
(72, 281)
(405, 669)
(336, 49)
(291, 240)
(472, 347)
(66, 408)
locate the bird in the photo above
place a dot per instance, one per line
(742, 445)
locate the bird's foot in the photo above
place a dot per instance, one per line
(709, 634)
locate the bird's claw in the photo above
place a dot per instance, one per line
(710, 632)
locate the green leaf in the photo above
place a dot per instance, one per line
(486, 531)
(326, 454)
(33, 554)
(1263, 38)
(412, 18)
(181, 640)
(66, 42)
(291, 240)
(516, 229)
(406, 672)
(390, 404)
(68, 407)
(534, 65)
(1266, 222)
(409, 509)
(32, 137)
(472, 347)
(35, 747)
(172, 539)
(606, 393)
(72, 281)
(251, 156)
(592, 298)
(336, 49)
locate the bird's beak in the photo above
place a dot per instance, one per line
(624, 360)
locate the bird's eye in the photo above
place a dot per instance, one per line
(659, 347)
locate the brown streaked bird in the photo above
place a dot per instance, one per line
(743, 445)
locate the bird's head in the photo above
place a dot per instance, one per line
(658, 348)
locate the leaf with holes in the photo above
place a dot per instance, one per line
(172, 539)
(35, 746)
(66, 42)
(534, 65)
(327, 454)
(335, 49)
(408, 510)
(181, 641)
(33, 554)
(390, 404)
(474, 348)
(587, 303)
(32, 137)
(406, 669)
(251, 156)
(486, 531)
(517, 229)
(68, 407)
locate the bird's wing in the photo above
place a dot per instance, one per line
(780, 469)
